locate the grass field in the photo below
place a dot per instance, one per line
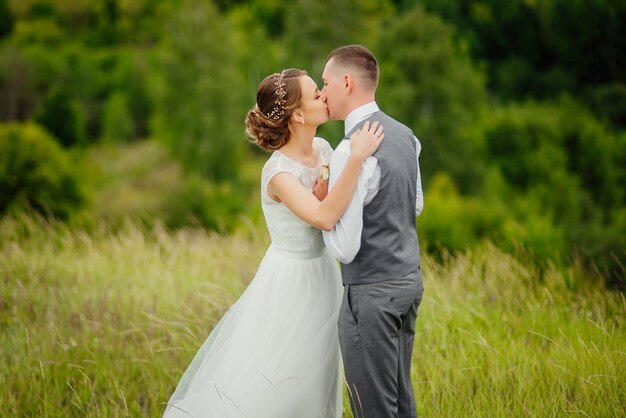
(101, 323)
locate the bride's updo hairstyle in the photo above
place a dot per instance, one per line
(278, 95)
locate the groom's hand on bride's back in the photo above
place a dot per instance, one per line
(320, 190)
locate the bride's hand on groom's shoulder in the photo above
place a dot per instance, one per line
(365, 141)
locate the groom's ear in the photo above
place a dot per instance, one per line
(348, 83)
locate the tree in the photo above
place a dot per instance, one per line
(541, 49)
(6, 19)
(313, 30)
(199, 92)
(117, 124)
(311, 34)
(257, 59)
(563, 164)
(61, 115)
(428, 82)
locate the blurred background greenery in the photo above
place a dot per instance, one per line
(117, 109)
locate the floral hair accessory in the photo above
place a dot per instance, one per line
(279, 109)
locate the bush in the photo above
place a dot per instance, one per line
(143, 182)
(454, 222)
(61, 115)
(565, 170)
(215, 206)
(44, 32)
(35, 172)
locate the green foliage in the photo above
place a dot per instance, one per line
(310, 35)
(452, 222)
(601, 37)
(104, 23)
(61, 115)
(26, 74)
(10, 82)
(98, 76)
(552, 188)
(88, 75)
(133, 70)
(143, 182)
(6, 19)
(537, 177)
(117, 125)
(255, 59)
(564, 167)
(42, 9)
(215, 206)
(428, 82)
(35, 172)
(560, 146)
(269, 16)
(69, 89)
(198, 92)
(45, 31)
(108, 17)
(541, 49)
(533, 233)
(445, 222)
(608, 102)
(30, 73)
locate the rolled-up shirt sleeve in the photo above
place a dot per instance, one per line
(344, 240)
(419, 194)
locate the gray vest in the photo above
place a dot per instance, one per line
(389, 244)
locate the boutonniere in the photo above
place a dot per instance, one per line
(324, 171)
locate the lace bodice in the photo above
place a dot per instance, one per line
(288, 232)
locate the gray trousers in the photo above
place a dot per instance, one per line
(376, 330)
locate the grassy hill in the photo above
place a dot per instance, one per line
(102, 322)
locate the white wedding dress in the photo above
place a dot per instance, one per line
(275, 353)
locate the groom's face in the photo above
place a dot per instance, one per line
(334, 90)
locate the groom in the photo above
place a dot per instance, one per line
(376, 243)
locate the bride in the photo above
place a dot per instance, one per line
(275, 353)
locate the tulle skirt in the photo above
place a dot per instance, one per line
(275, 353)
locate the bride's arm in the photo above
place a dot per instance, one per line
(324, 215)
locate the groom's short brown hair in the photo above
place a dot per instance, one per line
(358, 58)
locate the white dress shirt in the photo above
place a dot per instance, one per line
(344, 240)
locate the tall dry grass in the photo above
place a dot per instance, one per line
(102, 322)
